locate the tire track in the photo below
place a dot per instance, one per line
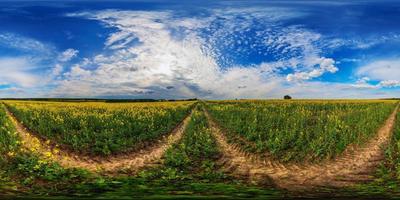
(355, 165)
(123, 163)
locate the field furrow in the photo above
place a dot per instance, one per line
(127, 163)
(100, 129)
(300, 131)
(353, 166)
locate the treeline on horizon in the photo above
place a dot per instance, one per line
(96, 100)
(121, 100)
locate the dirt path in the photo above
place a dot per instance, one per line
(127, 163)
(353, 166)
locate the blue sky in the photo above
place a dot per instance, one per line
(213, 50)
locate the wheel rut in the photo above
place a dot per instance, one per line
(122, 163)
(354, 166)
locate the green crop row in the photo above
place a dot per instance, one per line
(9, 144)
(22, 170)
(300, 130)
(191, 167)
(8, 136)
(194, 157)
(100, 128)
(393, 153)
(387, 176)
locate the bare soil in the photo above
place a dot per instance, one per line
(355, 165)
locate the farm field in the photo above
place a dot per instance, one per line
(216, 154)
(300, 130)
(99, 128)
(136, 99)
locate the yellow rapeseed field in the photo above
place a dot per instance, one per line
(100, 128)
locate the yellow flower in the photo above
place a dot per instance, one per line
(48, 154)
(36, 167)
(56, 151)
(11, 154)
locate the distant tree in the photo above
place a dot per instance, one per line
(287, 97)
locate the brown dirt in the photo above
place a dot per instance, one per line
(354, 166)
(123, 163)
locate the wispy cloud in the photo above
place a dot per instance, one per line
(390, 83)
(387, 69)
(67, 55)
(17, 71)
(147, 55)
(385, 72)
(27, 68)
(26, 45)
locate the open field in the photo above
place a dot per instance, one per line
(219, 148)
(300, 130)
(99, 128)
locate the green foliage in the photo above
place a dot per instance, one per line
(9, 141)
(193, 158)
(100, 128)
(387, 176)
(187, 172)
(9, 145)
(300, 130)
(32, 168)
(392, 162)
(19, 167)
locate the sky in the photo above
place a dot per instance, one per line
(200, 49)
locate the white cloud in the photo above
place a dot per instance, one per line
(67, 55)
(154, 54)
(386, 72)
(366, 43)
(359, 43)
(57, 70)
(389, 83)
(27, 45)
(350, 60)
(324, 65)
(27, 69)
(160, 60)
(381, 70)
(17, 71)
(337, 90)
(362, 83)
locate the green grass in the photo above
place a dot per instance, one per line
(300, 130)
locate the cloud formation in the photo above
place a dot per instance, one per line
(67, 55)
(221, 53)
(26, 45)
(386, 72)
(23, 67)
(388, 69)
(17, 71)
(324, 65)
(155, 54)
